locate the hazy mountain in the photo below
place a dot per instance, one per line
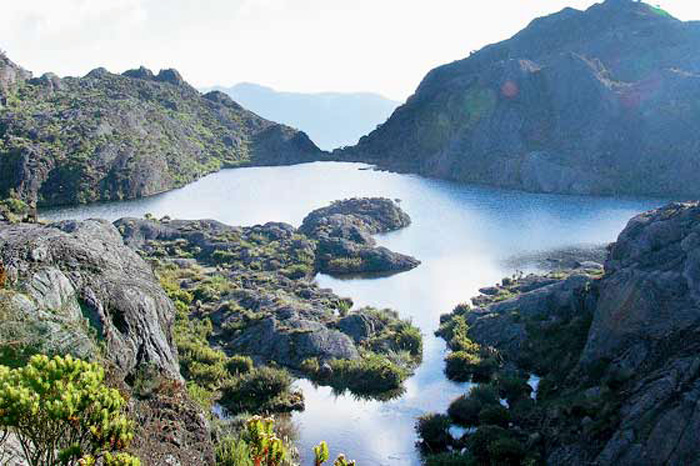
(602, 101)
(331, 120)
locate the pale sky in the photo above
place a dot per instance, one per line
(383, 46)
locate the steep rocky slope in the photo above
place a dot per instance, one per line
(108, 136)
(602, 101)
(616, 352)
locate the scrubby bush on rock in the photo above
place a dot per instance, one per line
(434, 431)
(262, 390)
(62, 413)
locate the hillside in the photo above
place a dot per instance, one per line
(602, 101)
(106, 136)
(331, 119)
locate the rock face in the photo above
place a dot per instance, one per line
(647, 323)
(504, 324)
(619, 349)
(344, 233)
(11, 76)
(107, 136)
(79, 286)
(75, 288)
(589, 102)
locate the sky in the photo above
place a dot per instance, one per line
(383, 46)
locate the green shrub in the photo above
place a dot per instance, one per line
(479, 442)
(409, 338)
(14, 210)
(310, 366)
(434, 431)
(232, 451)
(297, 271)
(62, 413)
(201, 396)
(344, 265)
(223, 257)
(507, 452)
(265, 448)
(485, 369)
(513, 388)
(485, 393)
(256, 391)
(238, 365)
(460, 365)
(368, 375)
(465, 410)
(495, 415)
(455, 331)
(449, 459)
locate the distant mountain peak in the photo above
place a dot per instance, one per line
(331, 119)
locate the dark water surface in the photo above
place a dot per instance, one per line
(466, 237)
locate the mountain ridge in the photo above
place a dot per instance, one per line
(107, 136)
(598, 102)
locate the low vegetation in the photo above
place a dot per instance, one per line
(212, 375)
(15, 210)
(258, 444)
(61, 412)
(239, 281)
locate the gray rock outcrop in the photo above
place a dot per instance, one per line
(75, 288)
(639, 330)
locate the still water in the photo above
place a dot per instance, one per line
(465, 236)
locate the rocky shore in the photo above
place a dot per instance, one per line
(254, 284)
(614, 350)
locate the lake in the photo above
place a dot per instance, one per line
(466, 236)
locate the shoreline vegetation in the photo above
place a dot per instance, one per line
(500, 413)
(235, 315)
